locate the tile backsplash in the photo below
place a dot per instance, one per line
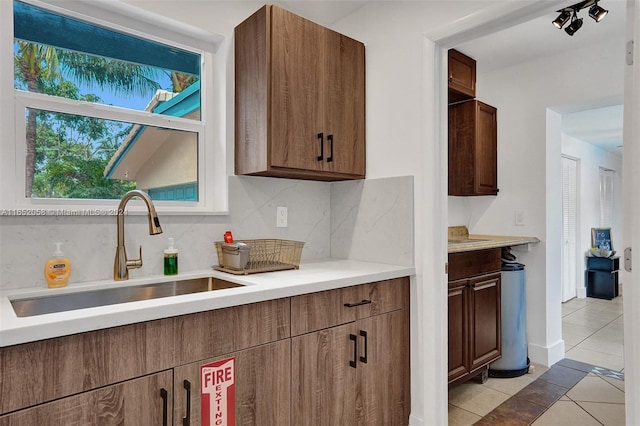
(341, 220)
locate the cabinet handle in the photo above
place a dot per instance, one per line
(165, 403)
(363, 359)
(362, 302)
(321, 137)
(330, 157)
(354, 338)
(186, 421)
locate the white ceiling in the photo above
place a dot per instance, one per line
(539, 38)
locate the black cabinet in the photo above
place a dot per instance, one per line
(602, 277)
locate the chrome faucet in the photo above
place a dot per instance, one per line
(121, 264)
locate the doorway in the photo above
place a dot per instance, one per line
(549, 291)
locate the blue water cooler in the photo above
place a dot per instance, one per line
(514, 361)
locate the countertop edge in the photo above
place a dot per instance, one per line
(311, 277)
(490, 241)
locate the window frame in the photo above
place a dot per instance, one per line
(212, 188)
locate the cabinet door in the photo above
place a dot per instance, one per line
(458, 300)
(262, 385)
(344, 107)
(297, 49)
(473, 149)
(462, 77)
(486, 178)
(485, 330)
(143, 401)
(383, 370)
(323, 383)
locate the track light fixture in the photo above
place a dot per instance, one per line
(596, 12)
(574, 26)
(562, 19)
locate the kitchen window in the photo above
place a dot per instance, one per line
(107, 98)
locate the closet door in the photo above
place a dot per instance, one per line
(569, 228)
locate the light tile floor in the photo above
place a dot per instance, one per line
(592, 331)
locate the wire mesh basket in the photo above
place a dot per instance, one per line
(265, 255)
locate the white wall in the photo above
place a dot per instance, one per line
(590, 159)
(529, 172)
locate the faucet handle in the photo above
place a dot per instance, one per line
(135, 263)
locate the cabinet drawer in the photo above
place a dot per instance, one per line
(37, 372)
(324, 309)
(385, 296)
(315, 311)
(472, 263)
(603, 263)
(206, 334)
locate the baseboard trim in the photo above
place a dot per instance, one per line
(546, 355)
(415, 421)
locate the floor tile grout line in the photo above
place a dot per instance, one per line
(583, 409)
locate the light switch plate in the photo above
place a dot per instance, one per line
(519, 217)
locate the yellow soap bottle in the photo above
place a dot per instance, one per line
(57, 269)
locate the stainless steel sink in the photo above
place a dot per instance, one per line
(110, 296)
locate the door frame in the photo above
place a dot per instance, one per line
(494, 19)
(631, 210)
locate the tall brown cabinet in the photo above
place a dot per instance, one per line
(473, 133)
(299, 99)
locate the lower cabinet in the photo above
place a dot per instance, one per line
(475, 338)
(347, 369)
(323, 381)
(356, 373)
(144, 401)
(262, 383)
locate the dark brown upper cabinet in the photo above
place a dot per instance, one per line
(462, 77)
(299, 99)
(473, 149)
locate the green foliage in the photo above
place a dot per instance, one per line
(73, 151)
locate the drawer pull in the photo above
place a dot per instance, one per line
(330, 157)
(362, 302)
(186, 421)
(321, 156)
(363, 359)
(354, 339)
(165, 402)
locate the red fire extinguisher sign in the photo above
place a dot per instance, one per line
(218, 393)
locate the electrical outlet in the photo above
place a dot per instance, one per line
(519, 217)
(281, 217)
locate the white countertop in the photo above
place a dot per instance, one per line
(311, 277)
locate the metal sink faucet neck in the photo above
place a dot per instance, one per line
(121, 264)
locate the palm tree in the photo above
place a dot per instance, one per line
(36, 63)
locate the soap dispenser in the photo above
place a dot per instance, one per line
(57, 269)
(171, 259)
